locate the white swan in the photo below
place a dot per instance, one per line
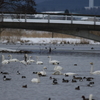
(39, 62)
(43, 73)
(12, 59)
(36, 80)
(70, 74)
(23, 62)
(4, 61)
(30, 60)
(57, 68)
(95, 72)
(53, 61)
(57, 73)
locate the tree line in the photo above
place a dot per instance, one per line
(22, 6)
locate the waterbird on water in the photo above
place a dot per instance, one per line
(90, 97)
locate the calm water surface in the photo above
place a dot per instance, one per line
(12, 90)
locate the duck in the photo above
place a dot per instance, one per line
(49, 98)
(54, 62)
(54, 82)
(39, 62)
(36, 80)
(77, 88)
(74, 77)
(90, 97)
(90, 85)
(4, 61)
(24, 86)
(63, 80)
(73, 80)
(12, 59)
(35, 72)
(18, 73)
(23, 76)
(5, 78)
(4, 72)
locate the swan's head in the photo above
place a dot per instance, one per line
(9, 55)
(49, 56)
(45, 67)
(37, 57)
(30, 56)
(90, 96)
(91, 63)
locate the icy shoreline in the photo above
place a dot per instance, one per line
(45, 41)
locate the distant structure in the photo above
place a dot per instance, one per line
(91, 5)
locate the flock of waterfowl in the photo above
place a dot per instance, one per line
(57, 71)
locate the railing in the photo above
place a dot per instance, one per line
(51, 18)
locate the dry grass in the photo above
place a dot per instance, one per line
(13, 35)
(24, 33)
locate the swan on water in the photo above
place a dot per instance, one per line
(29, 61)
(53, 61)
(57, 73)
(43, 73)
(23, 62)
(70, 74)
(36, 80)
(39, 62)
(95, 72)
(58, 68)
(4, 61)
(12, 59)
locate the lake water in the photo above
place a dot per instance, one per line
(82, 55)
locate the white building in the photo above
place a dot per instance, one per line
(91, 3)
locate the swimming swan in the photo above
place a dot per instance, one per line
(95, 72)
(53, 61)
(57, 68)
(30, 60)
(70, 74)
(12, 59)
(36, 80)
(39, 62)
(4, 61)
(43, 73)
(57, 73)
(23, 62)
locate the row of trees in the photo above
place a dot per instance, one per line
(22, 6)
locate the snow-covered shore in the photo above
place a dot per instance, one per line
(47, 41)
(58, 40)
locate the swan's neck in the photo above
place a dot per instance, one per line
(90, 97)
(3, 58)
(49, 59)
(91, 71)
(37, 59)
(10, 56)
(38, 78)
(29, 58)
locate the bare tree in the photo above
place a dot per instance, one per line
(20, 6)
